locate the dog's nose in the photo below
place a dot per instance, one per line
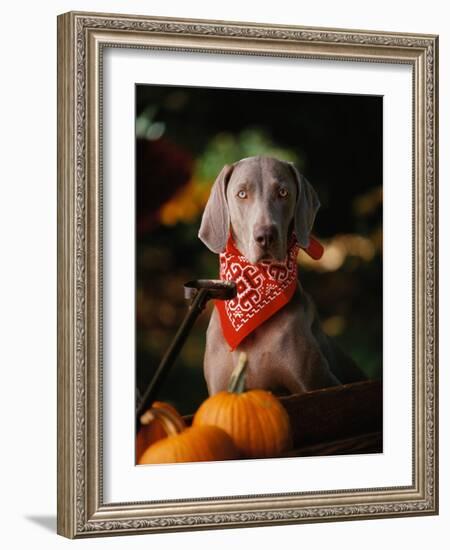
(264, 235)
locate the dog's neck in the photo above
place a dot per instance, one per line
(262, 289)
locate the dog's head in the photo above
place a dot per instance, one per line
(261, 200)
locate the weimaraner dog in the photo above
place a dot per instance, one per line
(261, 201)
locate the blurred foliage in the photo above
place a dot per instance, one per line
(224, 148)
(184, 137)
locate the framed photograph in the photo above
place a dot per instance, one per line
(247, 274)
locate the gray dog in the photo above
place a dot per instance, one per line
(262, 201)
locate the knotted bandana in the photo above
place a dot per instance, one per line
(262, 289)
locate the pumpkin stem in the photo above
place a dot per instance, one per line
(237, 378)
(171, 424)
(147, 417)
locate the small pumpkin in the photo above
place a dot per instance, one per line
(152, 429)
(255, 419)
(194, 444)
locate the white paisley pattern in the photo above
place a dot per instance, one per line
(257, 285)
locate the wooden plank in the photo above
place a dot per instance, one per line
(335, 413)
(360, 444)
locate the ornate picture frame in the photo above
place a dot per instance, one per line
(82, 40)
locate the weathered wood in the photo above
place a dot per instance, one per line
(335, 413)
(360, 444)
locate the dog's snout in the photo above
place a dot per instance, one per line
(264, 235)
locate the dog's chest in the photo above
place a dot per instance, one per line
(272, 349)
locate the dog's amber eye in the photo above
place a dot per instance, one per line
(283, 192)
(242, 194)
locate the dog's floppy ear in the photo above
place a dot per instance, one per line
(306, 207)
(215, 224)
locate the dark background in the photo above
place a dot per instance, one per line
(183, 138)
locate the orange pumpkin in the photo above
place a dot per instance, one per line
(256, 420)
(152, 429)
(194, 444)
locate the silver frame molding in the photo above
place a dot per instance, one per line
(81, 39)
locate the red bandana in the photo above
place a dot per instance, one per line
(262, 289)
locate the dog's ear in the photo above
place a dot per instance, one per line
(215, 224)
(306, 207)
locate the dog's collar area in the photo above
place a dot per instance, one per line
(262, 290)
(314, 249)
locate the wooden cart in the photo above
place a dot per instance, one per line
(345, 419)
